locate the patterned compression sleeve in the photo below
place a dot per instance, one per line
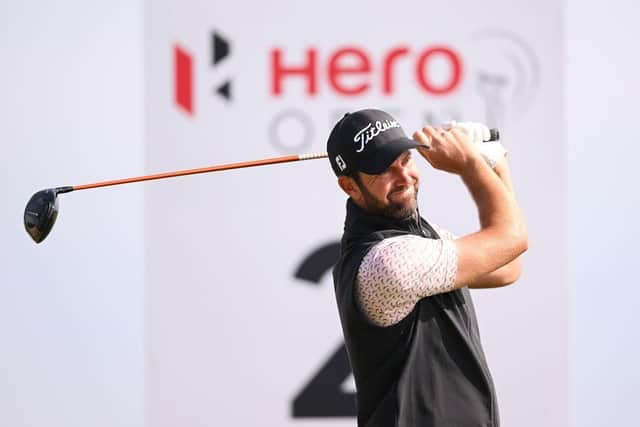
(397, 272)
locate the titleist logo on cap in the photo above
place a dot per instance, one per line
(370, 131)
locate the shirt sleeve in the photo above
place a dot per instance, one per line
(443, 233)
(397, 272)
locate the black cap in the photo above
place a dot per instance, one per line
(367, 141)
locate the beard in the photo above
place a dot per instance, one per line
(392, 209)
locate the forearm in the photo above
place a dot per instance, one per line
(503, 276)
(510, 272)
(501, 237)
(492, 196)
(504, 173)
(502, 170)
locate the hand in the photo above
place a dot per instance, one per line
(491, 151)
(447, 150)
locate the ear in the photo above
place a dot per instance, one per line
(350, 187)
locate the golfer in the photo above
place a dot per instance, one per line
(402, 284)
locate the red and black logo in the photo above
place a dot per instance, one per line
(183, 68)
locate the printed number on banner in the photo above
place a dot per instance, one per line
(322, 396)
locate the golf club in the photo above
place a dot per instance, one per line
(42, 209)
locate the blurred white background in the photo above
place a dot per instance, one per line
(72, 352)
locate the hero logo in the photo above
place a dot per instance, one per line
(350, 70)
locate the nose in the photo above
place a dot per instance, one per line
(403, 174)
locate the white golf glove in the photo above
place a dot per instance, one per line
(491, 151)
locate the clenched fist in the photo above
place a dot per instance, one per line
(491, 151)
(449, 150)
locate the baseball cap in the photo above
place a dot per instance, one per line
(367, 141)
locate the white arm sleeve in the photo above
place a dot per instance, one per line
(397, 272)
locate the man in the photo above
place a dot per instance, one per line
(402, 284)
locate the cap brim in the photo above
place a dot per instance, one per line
(378, 160)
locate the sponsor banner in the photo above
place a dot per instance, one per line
(241, 318)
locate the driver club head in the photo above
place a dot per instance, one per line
(40, 214)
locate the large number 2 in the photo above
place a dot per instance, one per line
(322, 396)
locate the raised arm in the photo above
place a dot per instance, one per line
(399, 271)
(502, 236)
(510, 272)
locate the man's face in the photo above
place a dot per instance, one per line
(393, 193)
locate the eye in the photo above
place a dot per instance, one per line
(407, 158)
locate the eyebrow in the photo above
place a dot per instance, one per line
(405, 155)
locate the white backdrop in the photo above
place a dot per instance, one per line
(602, 90)
(71, 309)
(71, 321)
(233, 336)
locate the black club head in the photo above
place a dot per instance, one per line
(40, 214)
